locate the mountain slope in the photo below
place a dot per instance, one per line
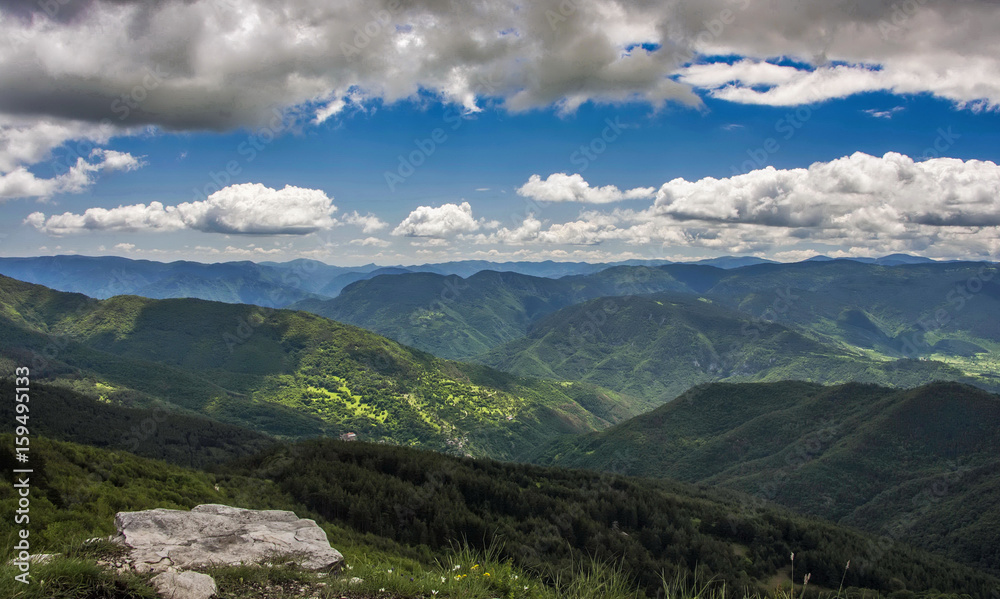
(460, 318)
(391, 502)
(918, 465)
(902, 310)
(659, 345)
(290, 373)
(938, 310)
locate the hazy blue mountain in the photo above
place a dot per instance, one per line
(107, 276)
(335, 285)
(734, 261)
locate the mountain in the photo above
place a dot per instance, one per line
(460, 318)
(107, 276)
(728, 262)
(392, 509)
(334, 287)
(941, 311)
(287, 373)
(657, 346)
(899, 325)
(61, 413)
(918, 465)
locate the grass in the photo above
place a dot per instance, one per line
(78, 573)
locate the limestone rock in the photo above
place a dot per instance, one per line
(184, 585)
(221, 535)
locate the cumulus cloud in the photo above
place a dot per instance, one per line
(199, 64)
(861, 204)
(369, 223)
(21, 183)
(444, 221)
(858, 190)
(370, 242)
(247, 208)
(560, 187)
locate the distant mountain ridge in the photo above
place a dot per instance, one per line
(278, 284)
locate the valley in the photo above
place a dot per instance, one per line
(668, 413)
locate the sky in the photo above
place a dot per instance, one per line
(408, 132)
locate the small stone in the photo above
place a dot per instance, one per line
(184, 585)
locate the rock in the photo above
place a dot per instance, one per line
(221, 535)
(184, 585)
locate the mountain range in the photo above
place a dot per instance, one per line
(288, 374)
(568, 373)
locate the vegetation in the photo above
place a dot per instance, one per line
(159, 433)
(288, 374)
(658, 346)
(399, 515)
(917, 465)
(830, 322)
(461, 318)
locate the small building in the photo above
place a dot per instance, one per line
(349, 437)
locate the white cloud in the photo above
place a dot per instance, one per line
(431, 242)
(125, 247)
(859, 204)
(443, 221)
(369, 223)
(26, 141)
(201, 65)
(884, 114)
(21, 183)
(370, 242)
(863, 191)
(247, 208)
(560, 187)
(975, 85)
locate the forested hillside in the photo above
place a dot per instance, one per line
(288, 373)
(919, 465)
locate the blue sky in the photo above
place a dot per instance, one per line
(936, 201)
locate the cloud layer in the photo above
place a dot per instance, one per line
(863, 204)
(192, 64)
(247, 208)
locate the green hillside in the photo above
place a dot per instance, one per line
(460, 318)
(870, 315)
(406, 509)
(658, 346)
(938, 310)
(288, 373)
(158, 432)
(919, 465)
